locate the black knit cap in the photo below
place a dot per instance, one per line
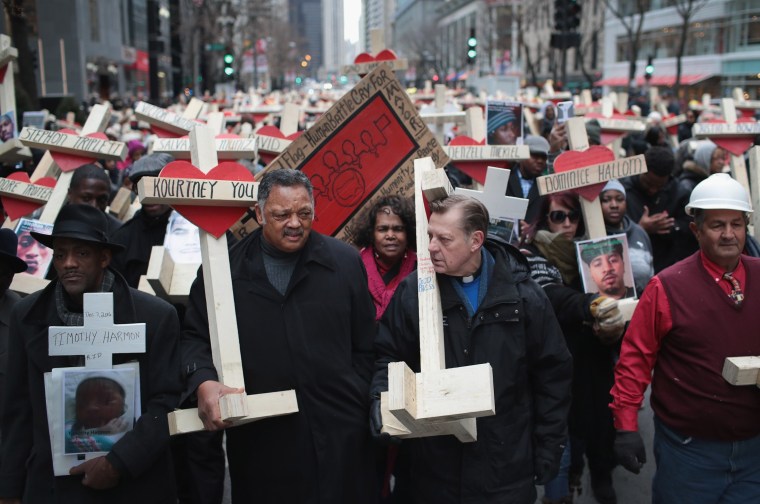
(79, 222)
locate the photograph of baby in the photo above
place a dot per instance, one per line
(504, 123)
(37, 256)
(606, 266)
(98, 408)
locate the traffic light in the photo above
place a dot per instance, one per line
(561, 15)
(649, 69)
(229, 60)
(573, 14)
(472, 47)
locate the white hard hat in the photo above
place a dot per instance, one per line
(719, 191)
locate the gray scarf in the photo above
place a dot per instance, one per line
(71, 318)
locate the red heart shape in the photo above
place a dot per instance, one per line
(259, 117)
(572, 160)
(2, 72)
(68, 162)
(214, 220)
(385, 55)
(735, 145)
(162, 133)
(672, 130)
(364, 58)
(475, 169)
(272, 131)
(16, 208)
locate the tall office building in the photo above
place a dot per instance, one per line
(306, 20)
(378, 14)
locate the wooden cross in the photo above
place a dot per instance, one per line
(11, 150)
(436, 401)
(614, 126)
(223, 330)
(671, 122)
(270, 142)
(748, 107)
(500, 207)
(365, 63)
(744, 370)
(732, 135)
(97, 340)
(585, 105)
(169, 124)
(438, 115)
(588, 169)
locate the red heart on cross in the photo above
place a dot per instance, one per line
(737, 145)
(572, 160)
(68, 162)
(384, 55)
(672, 130)
(16, 208)
(2, 72)
(215, 220)
(475, 169)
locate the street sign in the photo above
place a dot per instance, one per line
(215, 47)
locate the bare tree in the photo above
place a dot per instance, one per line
(686, 9)
(587, 45)
(421, 48)
(26, 87)
(631, 16)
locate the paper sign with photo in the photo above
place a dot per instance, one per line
(98, 408)
(605, 266)
(8, 126)
(506, 230)
(37, 256)
(504, 122)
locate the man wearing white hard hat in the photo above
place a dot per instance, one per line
(691, 317)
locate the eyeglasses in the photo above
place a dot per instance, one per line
(559, 216)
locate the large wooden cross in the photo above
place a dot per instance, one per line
(742, 370)
(583, 166)
(364, 63)
(11, 150)
(97, 340)
(435, 401)
(614, 126)
(167, 124)
(439, 116)
(208, 192)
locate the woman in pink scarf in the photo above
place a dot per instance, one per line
(388, 241)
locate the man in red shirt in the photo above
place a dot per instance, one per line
(691, 317)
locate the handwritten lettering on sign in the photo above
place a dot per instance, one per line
(620, 124)
(163, 118)
(226, 148)
(724, 129)
(363, 68)
(24, 191)
(75, 144)
(594, 174)
(272, 144)
(174, 191)
(363, 145)
(483, 152)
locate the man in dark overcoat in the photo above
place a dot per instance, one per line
(138, 467)
(305, 322)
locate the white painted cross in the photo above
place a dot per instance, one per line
(591, 169)
(615, 126)
(223, 330)
(440, 114)
(365, 63)
(167, 123)
(436, 401)
(11, 150)
(97, 340)
(499, 207)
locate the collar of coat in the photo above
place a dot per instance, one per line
(511, 268)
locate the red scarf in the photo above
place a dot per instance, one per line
(381, 293)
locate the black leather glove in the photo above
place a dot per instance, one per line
(376, 424)
(544, 471)
(629, 450)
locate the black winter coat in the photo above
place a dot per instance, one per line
(142, 455)
(514, 329)
(316, 339)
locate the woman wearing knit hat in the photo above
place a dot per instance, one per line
(503, 124)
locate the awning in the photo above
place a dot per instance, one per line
(657, 80)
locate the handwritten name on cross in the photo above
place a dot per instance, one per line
(167, 123)
(223, 330)
(437, 400)
(99, 338)
(579, 175)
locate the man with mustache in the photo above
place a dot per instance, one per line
(305, 321)
(138, 467)
(607, 267)
(692, 316)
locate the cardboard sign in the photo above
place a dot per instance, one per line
(360, 150)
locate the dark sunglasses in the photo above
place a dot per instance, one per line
(558, 216)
